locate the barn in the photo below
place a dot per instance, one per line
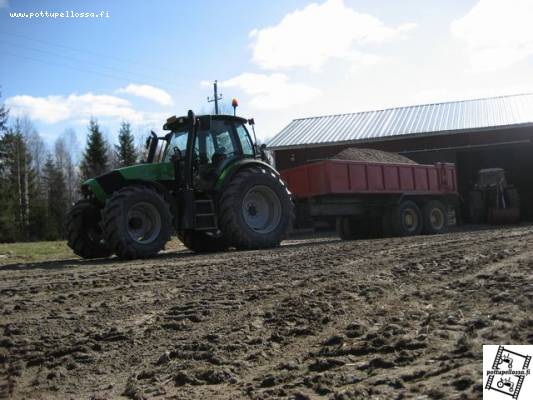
(472, 134)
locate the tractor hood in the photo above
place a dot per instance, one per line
(103, 186)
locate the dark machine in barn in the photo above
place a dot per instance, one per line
(493, 200)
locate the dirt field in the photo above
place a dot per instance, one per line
(317, 318)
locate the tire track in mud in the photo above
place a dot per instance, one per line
(320, 319)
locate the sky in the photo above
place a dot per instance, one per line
(144, 61)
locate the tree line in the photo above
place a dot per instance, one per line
(38, 186)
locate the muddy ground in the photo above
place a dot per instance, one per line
(316, 318)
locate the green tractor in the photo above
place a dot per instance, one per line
(206, 180)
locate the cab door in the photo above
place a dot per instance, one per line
(214, 149)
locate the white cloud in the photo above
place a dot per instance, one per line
(497, 33)
(271, 92)
(53, 109)
(312, 36)
(148, 92)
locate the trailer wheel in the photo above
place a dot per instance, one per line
(347, 228)
(403, 220)
(435, 217)
(351, 229)
(202, 242)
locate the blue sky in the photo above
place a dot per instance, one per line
(281, 59)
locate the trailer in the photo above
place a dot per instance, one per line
(374, 199)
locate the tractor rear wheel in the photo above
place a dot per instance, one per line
(435, 217)
(256, 209)
(84, 234)
(202, 242)
(137, 222)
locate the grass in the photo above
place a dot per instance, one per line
(12, 253)
(32, 252)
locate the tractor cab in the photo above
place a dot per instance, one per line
(216, 141)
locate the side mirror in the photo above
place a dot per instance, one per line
(150, 138)
(204, 122)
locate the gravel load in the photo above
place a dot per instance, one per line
(372, 155)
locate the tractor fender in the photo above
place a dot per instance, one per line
(228, 172)
(102, 191)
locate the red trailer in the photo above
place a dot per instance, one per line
(372, 198)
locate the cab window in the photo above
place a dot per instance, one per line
(178, 140)
(246, 143)
(215, 144)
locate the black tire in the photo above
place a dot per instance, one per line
(84, 233)
(351, 229)
(477, 207)
(127, 216)
(435, 215)
(347, 228)
(201, 242)
(233, 220)
(513, 198)
(404, 219)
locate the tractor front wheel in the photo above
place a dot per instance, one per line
(84, 234)
(137, 222)
(256, 209)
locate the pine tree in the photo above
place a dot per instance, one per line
(126, 153)
(95, 158)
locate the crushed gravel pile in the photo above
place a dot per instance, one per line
(356, 154)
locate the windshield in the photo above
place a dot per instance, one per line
(179, 140)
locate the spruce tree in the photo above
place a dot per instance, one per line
(95, 159)
(125, 150)
(64, 162)
(56, 199)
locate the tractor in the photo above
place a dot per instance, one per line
(206, 180)
(493, 200)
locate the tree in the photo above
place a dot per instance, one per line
(64, 162)
(56, 199)
(125, 150)
(95, 158)
(17, 180)
(4, 114)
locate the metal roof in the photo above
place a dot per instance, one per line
(419, 120)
